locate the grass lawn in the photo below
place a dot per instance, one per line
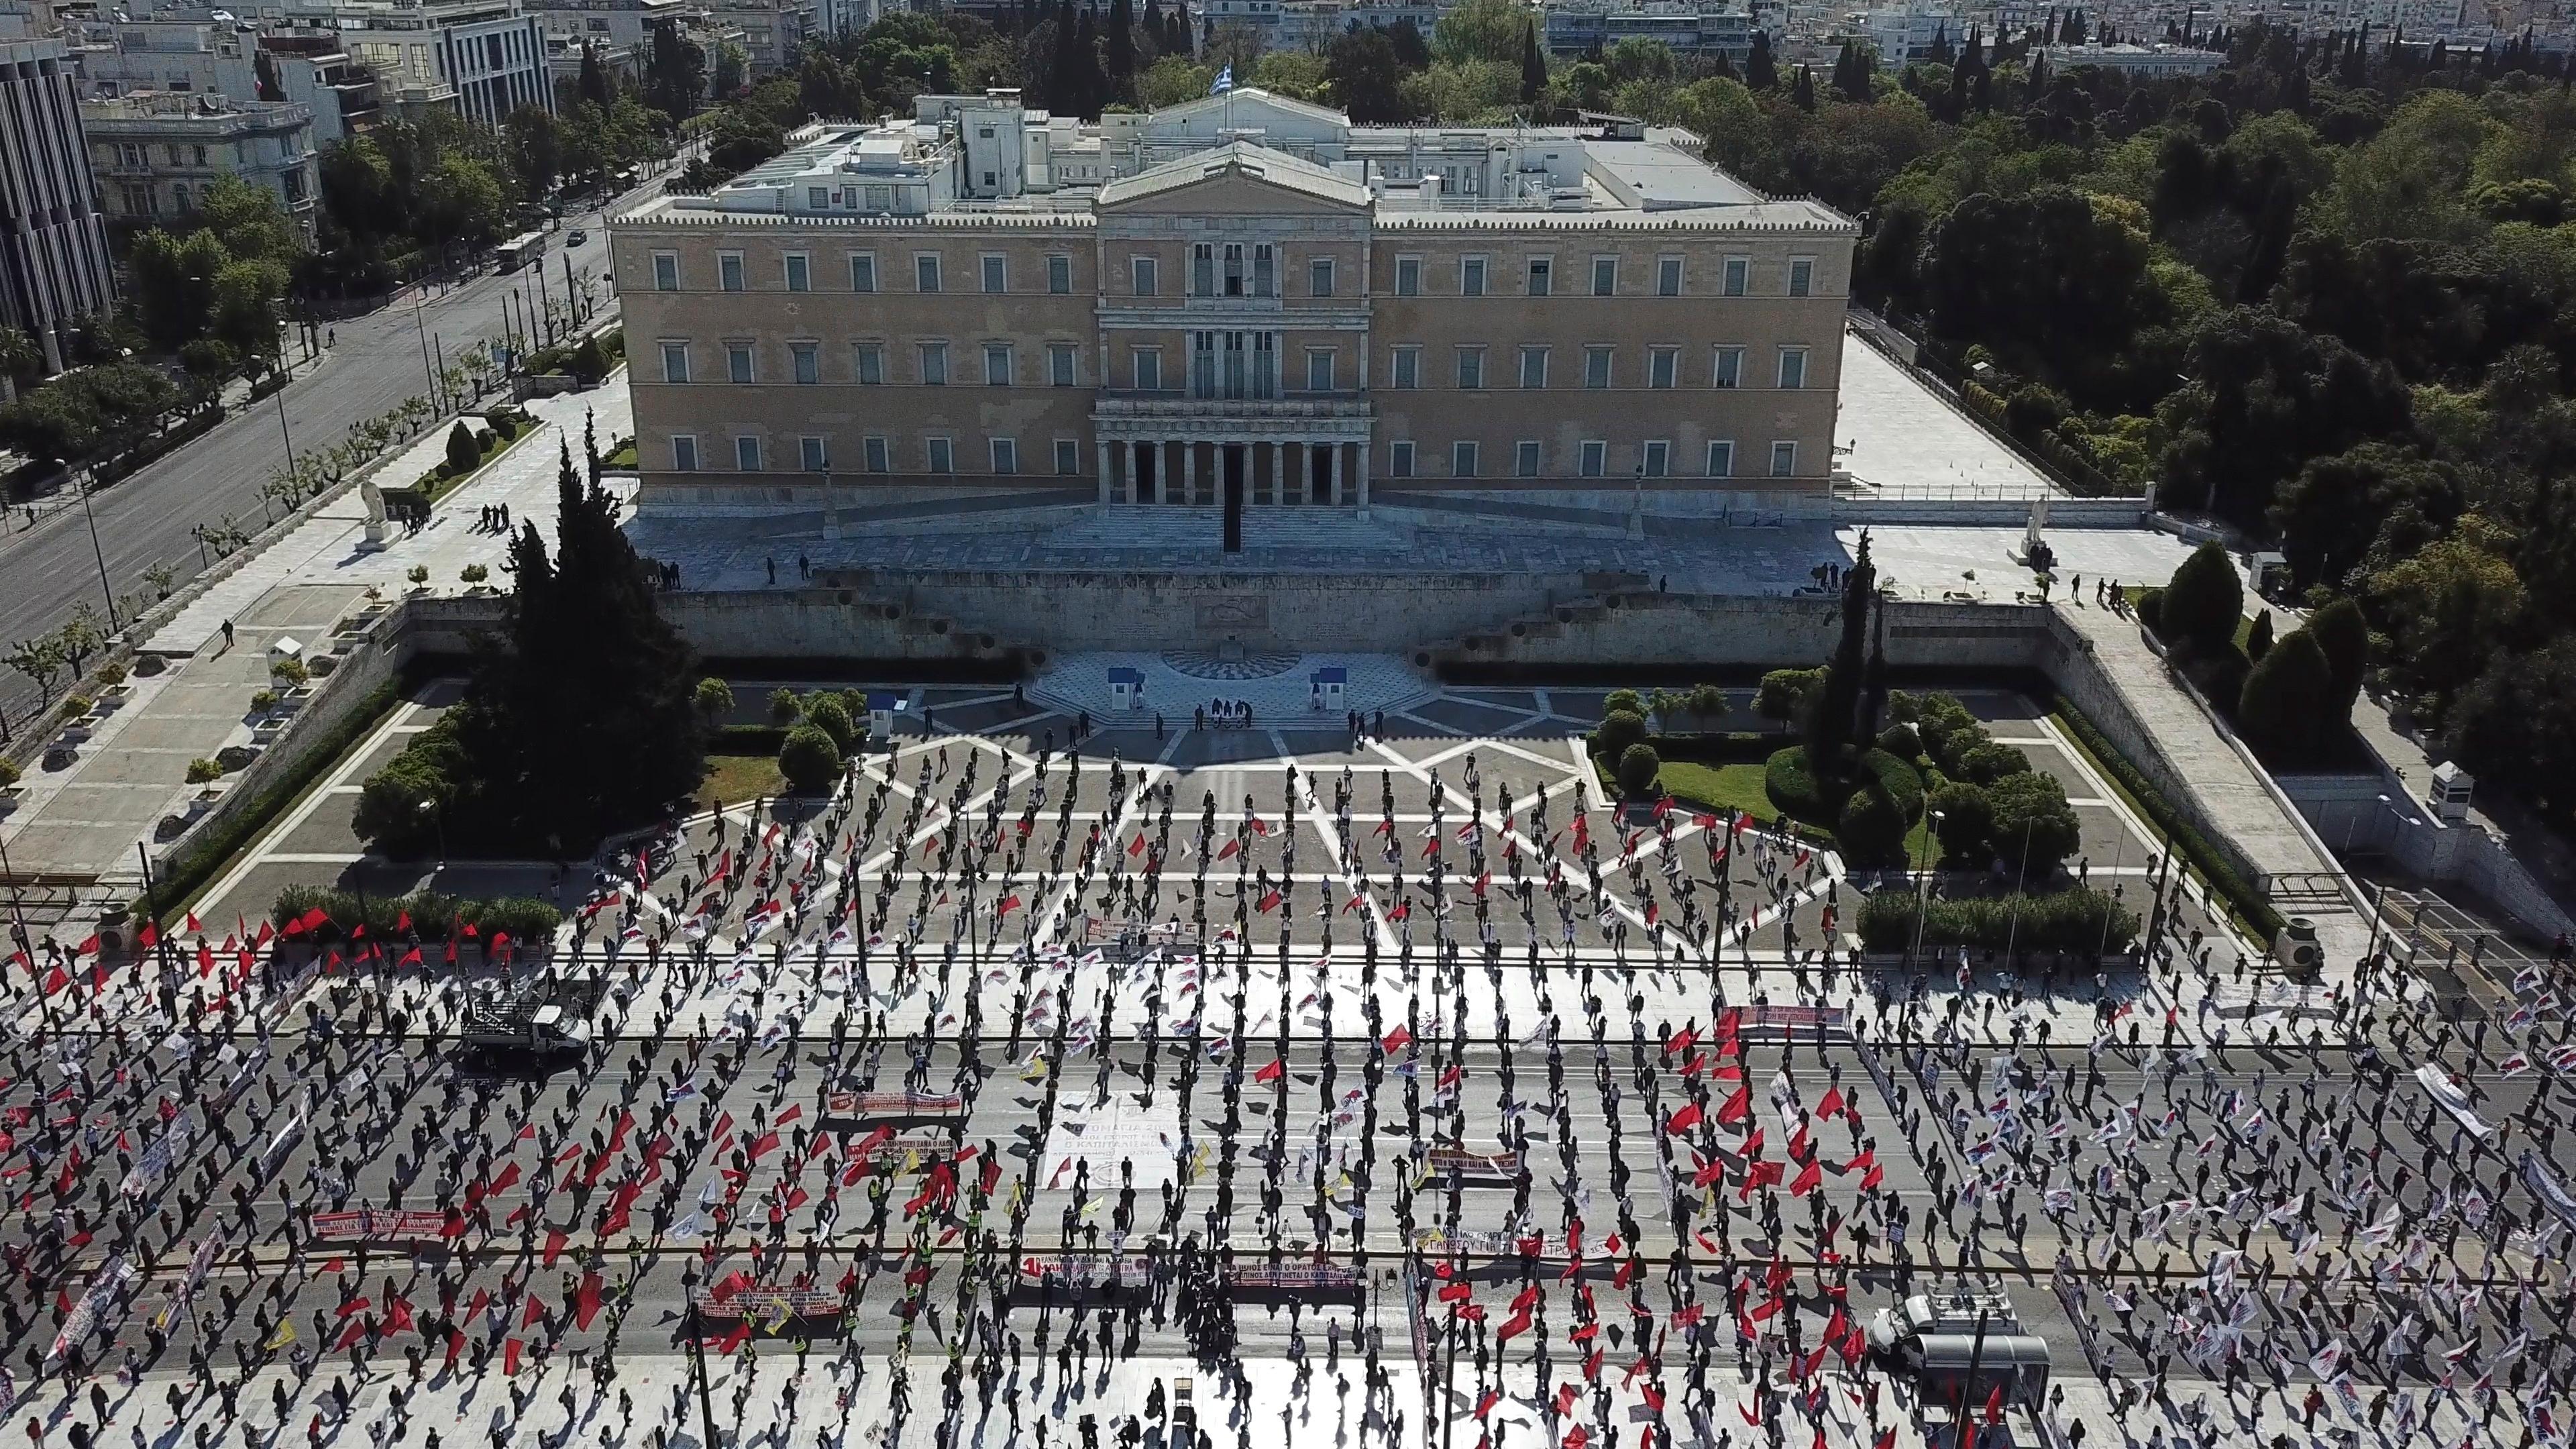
(1739, 786)
(622, 456)
(732, 779)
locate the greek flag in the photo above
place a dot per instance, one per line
(1224, 82)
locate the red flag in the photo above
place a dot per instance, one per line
(586, 1306)
(1683, 1120)
(741, 1335)
(536, 1311)
(1271, 1073)
(555, 1240)
(1737, 1107)
(510, 1356)
(1396, 1040)
(1486, 1404)
(150, 934)
(1268, 903)
(1995, 1404)
(1832, 1105)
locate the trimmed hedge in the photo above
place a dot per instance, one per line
(433, 914)
(2068, 920)
(2240, 896)
(1790, 779)
(746, 739)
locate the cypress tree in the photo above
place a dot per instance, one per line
(1533, 66)
(1804, 91)
(1759, 71)
(1120, 57)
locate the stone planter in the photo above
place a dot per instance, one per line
(10, 795)
(110, 700)
(77, 732)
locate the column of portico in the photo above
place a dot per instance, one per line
(1359, 457)
(1127, 454)
(1333, 470)
(1189, 471)
(1107, 475)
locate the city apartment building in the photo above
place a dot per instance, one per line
(1260, 305)
(53, 246)
(156, 154)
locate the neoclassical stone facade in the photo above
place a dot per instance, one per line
(1246, 302)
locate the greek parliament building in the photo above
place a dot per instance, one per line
(1245, 301)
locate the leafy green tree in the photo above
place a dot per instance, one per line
(826, 713)
(173, 284)
(2282, 708)
(587, 721)
(1783, 695)
(2338, 506)
(534, 139)
(1366, 75)
(675, 72)
(1618, 731)
(2511, 728)
(2447, 611)
(1966, 828)
(2033, 829)
(732, 65)
(1638, 767)
(2266, 395)
(1871, 829)
(1474, 30)
(246, 220)
(714, 700)
(2053, 280)
(2344, 635)
(809, 760)
(2203, 601)
(51, 425)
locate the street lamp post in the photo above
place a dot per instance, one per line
(439, 823)
(90, 515)
(1923, 878)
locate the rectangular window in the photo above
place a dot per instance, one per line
(1147, 364)
(1203, 269)
(1802, 276)
(1471, 367)
(675, 362)
(1140, 275)
(1471, 277)
(1408, 276)
(1265, 270)
(1068, 457)
(1539, 270)
(666, 272)
(1525, 458)
(800, 273)
(809, 362)
(934, 364)
(729, 271)
(1658, 459)
(1006, 455)
(876, 456)
(1203, 364)
(941, 459)
(863, 272)
(1319, 369)
(867, 363)
(995, 277)
(1737, 269)
(925, 272)
(738, 361)
(1596, 367)
(1605, 276)
(1728, 368)
(817, 197)
(1596, 459)
(1060, 275)
(997, 365)
(1784, 460)
(1533, 367)
(1399, 460)
(1059, 364)
(1668, 276)
(1721, 458)
(1408, 367)
(1319, 277)
(1462, 460)
(1663, 364)
(746, 454)
(684, 454)
(1793, 367)
(811, 453)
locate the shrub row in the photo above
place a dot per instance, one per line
(433, 914)
(2247, 902)
(2068, 920)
